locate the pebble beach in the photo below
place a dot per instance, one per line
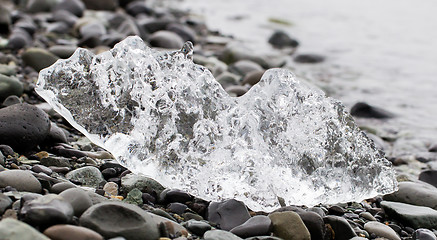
(56, 184)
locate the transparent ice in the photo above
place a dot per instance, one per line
(162, 115)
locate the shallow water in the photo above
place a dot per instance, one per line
(380, 52)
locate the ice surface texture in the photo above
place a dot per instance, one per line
(162, 115)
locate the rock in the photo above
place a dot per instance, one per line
(65, 17)
(46, 211)
(219, 235)
(175, 195)
(78, 198)
(71, 232)
(288, 225)
(280, 39)
(2, 159)
(336, 210)
(228, 214)
(154, 25)
(166, 39)
(143, 183)
(111, 188)
(309, 58)
(105, 5)
(63, 51)
(429, 176)
(38, 58)
(169, 227)
(252, 77)
(364, 110)
(7, 70)
(40, 168)
(20, 180)
(243, 67)
(235, 52)
(135, 196)
(75, 7)
(367, 216)
(227, 79)
(58, 27)
(381, 230)
(13, 229)
(36, 6)
(88, 176)
(113, 219)
(178, 208)
(340, 227)
(11, 100)
(109, 173)
(185, 32)
(414, 193)
(56, 134)
(92, 29)
(424, 234)
(138, 7)
(62, 186)
(433, 148)
(55, 161)
(19, 38)
(23, 126)
(256, 226)
(314, 223)
(410, 215)
(5, 203)
(9, 86)
(197, 227)
(236, 90)
(5, 20)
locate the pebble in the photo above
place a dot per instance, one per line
(55, 161)
(227, 79)
(138, 7)
(255, 226)
(62, 186)
(243, 67)
(11, 100)
(288, 225)
(178, 208)
(40, 168)
(411, 215)
(175, 195)
(429, 176)
(143, 183)
(7, 70)
(46, 211)
(253, 77)
(56, 134)
(38, 58)
(111, 188)
(105, 5)
(121, 220)
(19, 38)
(236, 90)
(75, 7)
(88, 176)
(5, 203)
(63, 51)
(78, 198)
(9, 86)
(135, 197)
(71, 232)
(381, 230)
(314, 223)
(37, 6)
(185, 32)
(364, 110)
(367, 216)
(340, 226)
(197, 227)
(63, 16)
(424, 234)
(228, 214)
(280, 39)
(20, 180)
(13, 229)
(336, 210)
(309, 58)
(166, 39)
(220, 235)
(414, 193)
(5, 20)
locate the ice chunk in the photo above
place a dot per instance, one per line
(162, 115)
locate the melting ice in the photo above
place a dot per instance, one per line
(162, 115)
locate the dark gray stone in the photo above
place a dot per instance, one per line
(175, 195)
(5, 203)
(197, 227)
(41, 168)
(314, 223)
(38, 58)
(138, 7)
(36, 6)
(228, 214)
(106, 5)
(92, 29)
(5, 20)
(62, 186)
(185, 32)
(46, 211)
(166, 39)
(411, 215)
(256, 226)
(253, 77)
(71, 232)
(113, 219)
(56, 162)
(424, 234)
(66, 17)
(381, 230)
(20, 180)
(13, 229)
(414, 193)
(342, 229)
(309, 58)
(178, 208)
(78, 198)
(364, 110)
(429, 176)
(220, 235)
(243, 67)
(280, 39)
(9, 86)
(56, 134)
(19, 38)
(11, 100)
(75, 7)
(336, 210)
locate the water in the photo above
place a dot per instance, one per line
(380, 52)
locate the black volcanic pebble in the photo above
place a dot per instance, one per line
(364, 110)
(336, 210)
(228, 214)
(23, 126)
(175, 195)
(109, 173)
(280, 39)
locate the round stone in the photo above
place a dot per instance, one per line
(71, 232)
(228, 214)
(256, 226)
(197, 227)
(166, 39)
(381, 230)
(9, 86)
(424, 234)
(60, 187)
(17, 230)
(5, 203)
(78, 198)
(88, 176)
(220, 235)
(20, 180)
(288, 225)
(38, 58)
(114, 219)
